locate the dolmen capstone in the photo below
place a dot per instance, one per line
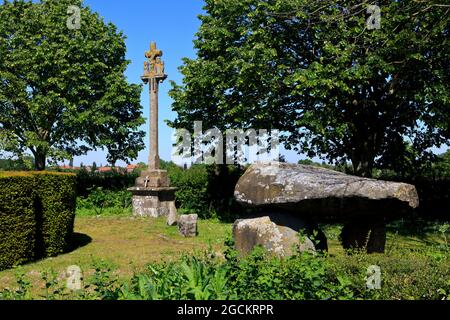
(299, 196)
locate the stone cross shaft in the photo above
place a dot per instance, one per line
(153, 75)
(152, 194)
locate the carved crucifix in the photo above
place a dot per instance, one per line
(154, 67)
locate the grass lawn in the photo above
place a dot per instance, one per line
(125, 243)
(128, 244)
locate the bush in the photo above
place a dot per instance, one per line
(17, 219)
(207, 190)
(37, 212)
(260, 276)
(192, 194)
(115, 181)
(55, 199)
(405, 276)
(100, 199)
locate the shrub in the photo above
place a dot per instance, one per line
(115, 181)
(207, 190)
(405, 276)
(56, 198)
(100, 199)
(17, 219)
(37, 212)
(192, 194)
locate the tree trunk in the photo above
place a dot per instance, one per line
(363, 160)
(40, 159)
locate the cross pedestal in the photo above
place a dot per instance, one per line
(152, 194)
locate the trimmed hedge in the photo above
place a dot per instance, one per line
(17, 219)
(56, 203)
(37, 211)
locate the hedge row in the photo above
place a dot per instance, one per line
(37, 211)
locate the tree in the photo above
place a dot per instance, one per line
(314, 69)
(62, 90)
(441, 167)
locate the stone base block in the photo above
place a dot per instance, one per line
(154, 202)
(153, 179)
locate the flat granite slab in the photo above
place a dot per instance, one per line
(322, 193)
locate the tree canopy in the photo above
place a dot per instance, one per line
(62, 90)
(315, 70)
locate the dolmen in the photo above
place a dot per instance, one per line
(299, 197)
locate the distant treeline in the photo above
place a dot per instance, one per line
(208, 190)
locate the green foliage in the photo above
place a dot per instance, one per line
(441, 167)
(300, 277)
(405, 274)
(55, 208)
(192, 194)
(37, 212)
(20, 164)
(17, 219)
(99, 200)
(312, 69)
(113, 181)
(207, 190)
(103, 284)
(53, 289)
(63, 92)
(22, 292)
(191, 278)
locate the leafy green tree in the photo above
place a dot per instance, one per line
(337, 87)
(22, 163)
(441, 167)
(62, 89)
(94, 167)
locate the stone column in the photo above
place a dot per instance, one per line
(153, 161)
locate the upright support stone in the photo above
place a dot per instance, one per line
(364, 235)
(152, 194)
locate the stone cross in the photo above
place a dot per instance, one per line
(152, 194)
(153, 74)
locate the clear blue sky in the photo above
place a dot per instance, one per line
(172, 24)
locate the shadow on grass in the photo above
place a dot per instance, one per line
(413, 226)
(79, 240)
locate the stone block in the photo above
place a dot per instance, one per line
(187, 225)
(279, 240)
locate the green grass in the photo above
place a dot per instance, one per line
(416, 261)
(126, 243)
(402, 235)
